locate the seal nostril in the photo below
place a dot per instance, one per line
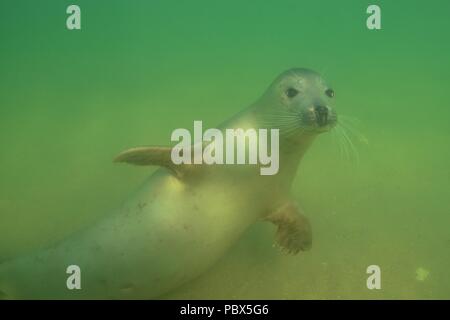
(321, 109)
(321, 115)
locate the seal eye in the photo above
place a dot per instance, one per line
(330, 93)
(291, 92)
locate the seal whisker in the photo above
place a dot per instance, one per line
(353, 130)
(292, 116)
(350, 144)
(345, 144)
(292, 119)
(342, 147)
(342, 150)
(354, 120)
(336, 141)
(291, 131)
(281, 124)
(277, 114)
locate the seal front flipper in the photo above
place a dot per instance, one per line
(149, 156)
(294, 230)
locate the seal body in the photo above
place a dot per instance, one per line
(183, 219)
(163, 236)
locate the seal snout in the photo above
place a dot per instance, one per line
(321, 113)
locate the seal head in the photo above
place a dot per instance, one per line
(299, 101)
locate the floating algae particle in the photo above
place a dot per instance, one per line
(422, 274)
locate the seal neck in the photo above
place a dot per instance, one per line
(291, 153)
(291, 149)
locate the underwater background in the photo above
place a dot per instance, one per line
(71, 100)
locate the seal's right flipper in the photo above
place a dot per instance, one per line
(149, 156)
(294, 230)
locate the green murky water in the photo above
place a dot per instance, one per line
(71, 100)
